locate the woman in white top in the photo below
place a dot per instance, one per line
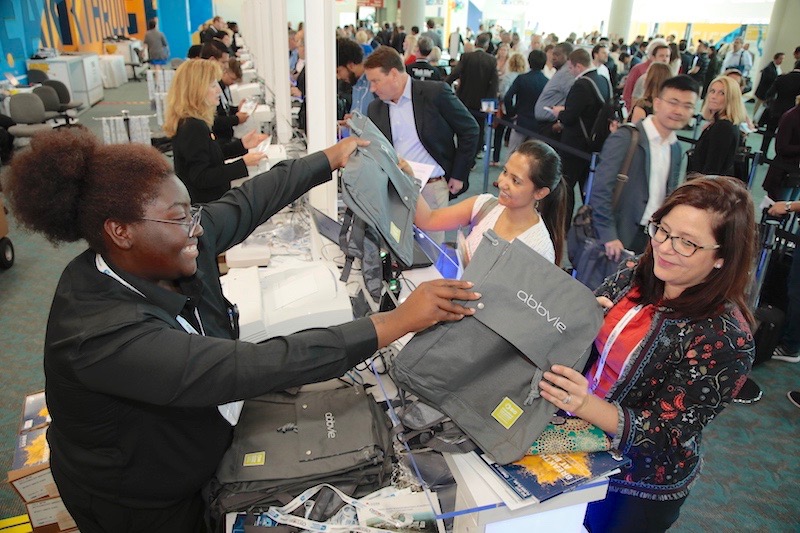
(531, 205)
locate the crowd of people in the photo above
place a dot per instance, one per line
(144, 300)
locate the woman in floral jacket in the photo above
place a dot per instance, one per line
(674, 349)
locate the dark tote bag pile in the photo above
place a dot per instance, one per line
(484, 371)
(285, 443)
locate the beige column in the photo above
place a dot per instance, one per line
(619, 20)
(412, 13)
(388, 13)
(782, 35)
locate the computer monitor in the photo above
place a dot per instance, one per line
(443, 257)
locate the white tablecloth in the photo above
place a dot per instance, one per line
(112, 69)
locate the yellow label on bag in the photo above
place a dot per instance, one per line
(507, 412)
(395, 231)
(255, 459)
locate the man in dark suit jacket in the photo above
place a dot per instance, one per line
(768, 76)
(420, 119)
(584, 101)
(215, 30)
(651, 176)
(478, 74)
(784, 90)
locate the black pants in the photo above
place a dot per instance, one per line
(576, 170)
(97, 515)
(480, 116)
(497, 143)
(619, 513)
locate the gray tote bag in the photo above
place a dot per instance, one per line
(483, 371)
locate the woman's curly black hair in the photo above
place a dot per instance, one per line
(67, 184)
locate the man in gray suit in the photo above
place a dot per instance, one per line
(654, 170)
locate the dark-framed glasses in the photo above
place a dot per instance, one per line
(192, 224)
(682, 246)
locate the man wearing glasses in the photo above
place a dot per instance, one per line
(653, 172)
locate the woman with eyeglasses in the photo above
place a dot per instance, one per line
(141, 359)
(674, 349)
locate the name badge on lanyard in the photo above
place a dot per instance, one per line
(612, 338)
(231, 411)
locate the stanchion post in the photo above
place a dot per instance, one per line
(487, 139)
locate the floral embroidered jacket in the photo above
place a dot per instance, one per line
(683, 375)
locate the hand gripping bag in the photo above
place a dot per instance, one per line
(484, 370)
(378, 192)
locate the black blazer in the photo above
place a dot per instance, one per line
(581, 107)
(200, 161)
(785, 88)
(715, 150)
(439, 116)
(478, 73)
(768, 75)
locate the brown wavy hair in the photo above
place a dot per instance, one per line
(735, 232)
(66, 184)
(187, 94)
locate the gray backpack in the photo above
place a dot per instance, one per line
(484, 371)
(285, 443)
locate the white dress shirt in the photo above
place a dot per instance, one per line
(660, 155)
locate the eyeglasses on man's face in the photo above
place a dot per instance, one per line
(682, 246)
(192, 224)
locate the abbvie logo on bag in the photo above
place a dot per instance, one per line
(542, 311)
(330, 423)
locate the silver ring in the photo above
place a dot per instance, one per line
(566, 400)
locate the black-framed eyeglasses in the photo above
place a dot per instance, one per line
(682, 246)
(192, 224)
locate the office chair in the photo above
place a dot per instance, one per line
(138, 61)
(52, 105)
(27, 110)
(37, 76)
(64, 97)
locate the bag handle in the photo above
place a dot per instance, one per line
(484, 211)
(602, 102)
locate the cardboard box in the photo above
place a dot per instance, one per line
(30, 470)
(34, 412)
(49, 514)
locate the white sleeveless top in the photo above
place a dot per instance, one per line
(537, 236)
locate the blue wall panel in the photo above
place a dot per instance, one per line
(20, 33)
(173, 21)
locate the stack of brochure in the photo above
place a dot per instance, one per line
(536, 478)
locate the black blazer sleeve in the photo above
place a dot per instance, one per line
(508, 100)
(199, 160)
(463, 124)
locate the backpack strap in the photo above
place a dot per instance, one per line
(356, 229)
(602, 100)
(622, 177)
(484, 211)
